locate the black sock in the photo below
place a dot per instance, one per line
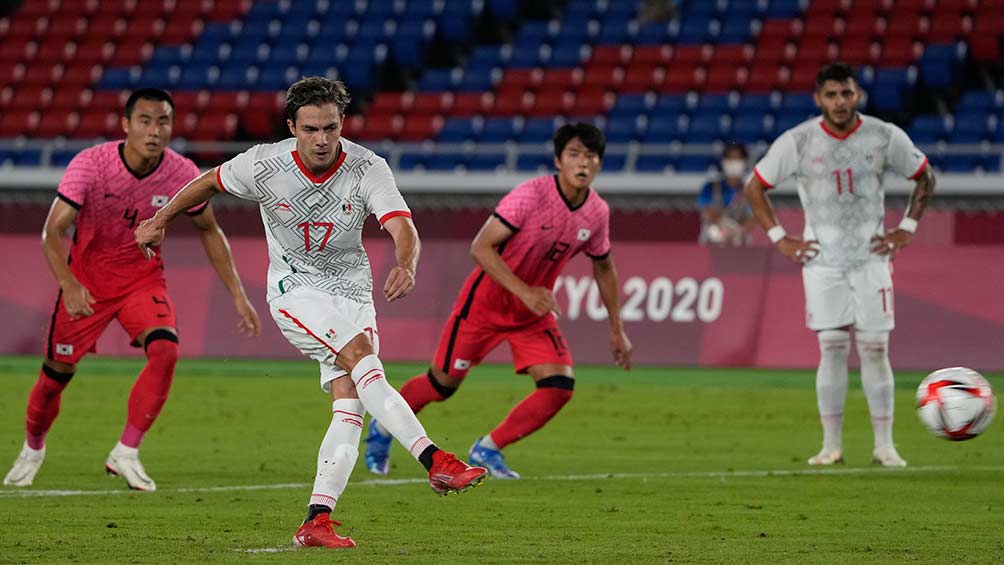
(314, 509)
(425, 458)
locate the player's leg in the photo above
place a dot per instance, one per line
(829, 311)
(541, 351)
(148, 317)
(67, 341)
(874, 310)
(335, 459)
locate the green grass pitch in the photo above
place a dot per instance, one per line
(656, 465)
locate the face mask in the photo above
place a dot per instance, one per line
(734, 167)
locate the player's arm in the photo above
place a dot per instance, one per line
(218, 251)
(792, 247)
(899, 238)
(605, 274)
(484, 251)
(151, 231)
(407, 248)
(76, 298)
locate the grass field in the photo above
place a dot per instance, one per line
(658, 465)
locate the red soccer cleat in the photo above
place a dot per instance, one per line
(449, 474)
(320, 532)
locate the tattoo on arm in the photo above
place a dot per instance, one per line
(922, 194)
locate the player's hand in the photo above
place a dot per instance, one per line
(250, 324)
(798, 250)
(77, 300)
(621, 347)
(540, 301)
(149, 234)
(891, 243)
(400, 283)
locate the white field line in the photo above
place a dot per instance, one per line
(26, 493)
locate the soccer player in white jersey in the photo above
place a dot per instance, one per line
(315, 191)
(838, 161)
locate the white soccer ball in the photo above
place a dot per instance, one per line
(955, 403)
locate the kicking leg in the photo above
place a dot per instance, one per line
(43, 407)
(877, 382)
(831, 393)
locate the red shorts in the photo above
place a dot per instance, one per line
(466, 341)
(69, 340)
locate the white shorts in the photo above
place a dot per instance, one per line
(861, 297)
(320, 324)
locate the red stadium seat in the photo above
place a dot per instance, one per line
(511, 103)
(611, 55)
(859, 51)
(912, 6)
(40, 8)
(764, 78)
(29, 97)
(593, 102)
(732, 54)
(803, 77)
(272, 103)
(226, 10)
(828, 8)
(420, 127)
(773, 51)
(898, 52)
(41, 74)
(949, 27)
(690, 54)
(61, 28)
(79, 75)
(652, 55)
(822, 27)
(521, 79)
(551, 102)
(180, 28)
(956, 6)
(472, 104)
(106, 26)
(11, 53)
(93, 50)
(725, 77)
(227, 101)
(683, 78)
(215, 126)
(68, 99)
(57, 124)
(185, 121)
(148, 28)
(907, 24)
(567, 79)
(604, 77)
(116, 6)
(985, 48)
(381, 126)
(97, 123)
(261, 125)
(774, 29)
(391, 103)
(353, 126)
(10, 74)
(108, 101)
(432, 102)
(187, 100)
(18, 122)
(154, 8)
(863, 26)
(815, 50)
(132, 52)
(55, 52)
(641, 78)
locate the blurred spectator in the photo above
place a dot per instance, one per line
(656, 11)
(726, 218)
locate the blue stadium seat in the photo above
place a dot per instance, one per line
(372, 31)
(454, 24)
(276, 77)
(973, 127)
(798, 102)
(486, 161)
(938, 65)
(160, 77)
(783, 9)
(236, 77)
(720, 103)
(670, 104)
(652, 163)
(763, 103)
(622, 130)
(528, 55)
(629, 105)
(285, 54)
(654, 33)
(960, 163)
(436, 80)
(695, 29)
(444, 162)
(498, 130)
(118, 79)
(410, 161)
(928, 129)
(503, 9)
(664, 129)
(615, 30)
(534, 32)
(614, 163)
(706, 128)
(749, 127)
(787, 120)
(537, 130)
(61, 157)
(566, 55)
(477, 80)
(535, 162)
(166, 55)
(358, 75)
(992, 163)
(458, 130)
(486, 56)
(985, 100)
(735, 30)
(694, 163)
(21, 157)
(197, 77)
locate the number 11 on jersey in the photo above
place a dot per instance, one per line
(850, 180)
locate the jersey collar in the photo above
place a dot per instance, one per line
(835, 135)
(318, 179)
(139, 176)
(571, 208)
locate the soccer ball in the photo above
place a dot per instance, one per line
(955, 403)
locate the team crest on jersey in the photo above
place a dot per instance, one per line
(583, 234)
(159, 200)
(64, 348)
(330, 334)
(347, 208)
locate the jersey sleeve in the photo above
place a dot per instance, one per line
(383, 198)
(80, 176)
(190, 171)
(598, 246)
(779, 163)
(904, 158)
(515, 207)
(236, 176)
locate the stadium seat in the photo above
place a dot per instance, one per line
(929, 129)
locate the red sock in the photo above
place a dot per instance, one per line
(420, 390)
(43, 405)
(149, 393)
(531, 413)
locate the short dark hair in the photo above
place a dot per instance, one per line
(839, 72)
(588, 134)
(315, 91)
(735, 146)
(155, 94)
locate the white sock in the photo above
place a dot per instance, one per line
(831, 385)
(388, 406)
(123, 449)
(877, 381)
(338, 452)
(488, 442)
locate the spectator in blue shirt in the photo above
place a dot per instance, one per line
(726, 218)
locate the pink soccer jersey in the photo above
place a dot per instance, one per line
(111, 200)
(549, 231)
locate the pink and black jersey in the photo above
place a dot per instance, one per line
(111, 200)
(549, 231)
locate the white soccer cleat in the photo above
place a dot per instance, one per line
(124, 462)
(827, 457)
(887, 457)
(26, 466)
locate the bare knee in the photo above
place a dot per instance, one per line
(440, 377)
(60, 367)
(353, 351)
(343, 387)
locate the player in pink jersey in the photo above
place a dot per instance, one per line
(535, 230)
(106, 190)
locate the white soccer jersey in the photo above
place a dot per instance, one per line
(840, 182)
(313, 224)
